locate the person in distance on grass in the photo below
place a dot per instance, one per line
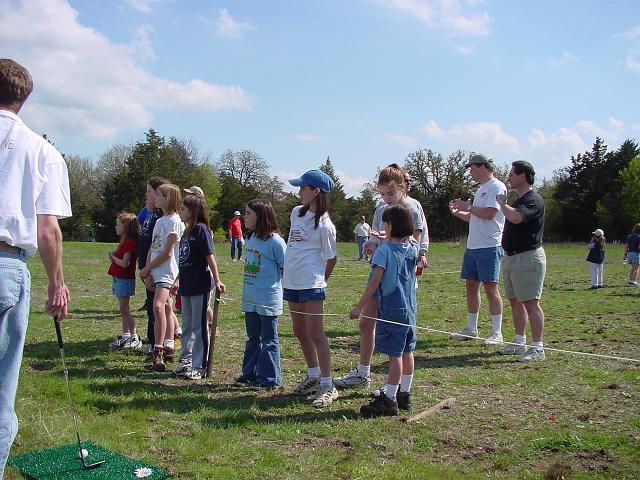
(198, 275)
(34, 195)
(481, 263)
(632, 254)
(596, 257)
(525, 263)
(392, 281)
(235, 235)
(161, 271)
(391, 186)
(123, 271)
(262, 296)
(361, 232)
(308, 263)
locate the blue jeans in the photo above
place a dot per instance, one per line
(15, 294)
(361, 241)
(236, 243)
(262, 351)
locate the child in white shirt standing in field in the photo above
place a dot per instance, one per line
(161, 270)
(596, 258)
(123, 270)
(309, 261)
(262, 296)
(393, 282)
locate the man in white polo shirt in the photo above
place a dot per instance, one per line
(481, 262)
(34, 194)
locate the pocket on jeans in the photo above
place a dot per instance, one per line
(10, 286)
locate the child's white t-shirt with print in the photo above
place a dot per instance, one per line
(165, 227)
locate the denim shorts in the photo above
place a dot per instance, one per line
(395, 340)
(123, 287)
(633, 258)
(482, 264)
(305, 295)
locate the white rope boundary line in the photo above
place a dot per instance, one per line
(444, 332)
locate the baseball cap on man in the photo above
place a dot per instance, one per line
(479, 159)
(237, 213)
(315, 178)
(195, 191)
(598, 232)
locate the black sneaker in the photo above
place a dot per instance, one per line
(380, 406)
(243, 381)
(404, 400)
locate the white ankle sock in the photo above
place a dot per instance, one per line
(125, 335)
(169, 343)
(537, 345)
(520, 339)
(391, 390)
(405, 383)
(313, 372)
(496, 323)
(326, 381)
(472, 322)
(364, 370)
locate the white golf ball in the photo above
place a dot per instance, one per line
(83, 453)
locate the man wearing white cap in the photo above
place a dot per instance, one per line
(235, 235)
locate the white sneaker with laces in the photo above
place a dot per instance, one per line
(132, 342)
(352, 379)
(494, 339)
(325, 396)
(512, 349)
(194, 374)
(307, 386)
(118, 342)
(464, 334)
(532, 355)
(183, 368)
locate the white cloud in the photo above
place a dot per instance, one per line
(352, 185)
(399, 139)
(465, 49)
(564, 58)
(449, 15)
(86, 86)
(632, 61)
(229, 27)
(483, 136)
(307, 137)
(142, 43)
(144, 6)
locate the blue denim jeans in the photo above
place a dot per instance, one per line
(361, 241)
(262, 350)
(236, 243)
(15, 294)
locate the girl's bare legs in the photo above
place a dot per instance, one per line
(128, 322)
(160, 314)
(301, 332)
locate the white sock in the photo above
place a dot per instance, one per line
(496, 323)
(520, 339)
(326, 381)
(364, 370)
(169, 343)
(391, 390)
(313, 372)
(472, 322)
(125, 335)
(537, 345)
(405, 383)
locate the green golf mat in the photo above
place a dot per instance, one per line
(64, 463)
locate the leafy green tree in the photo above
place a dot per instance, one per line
(85, 187)
(630, 194)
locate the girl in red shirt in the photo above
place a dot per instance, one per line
(123, 271)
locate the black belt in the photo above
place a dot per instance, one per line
(511, 253)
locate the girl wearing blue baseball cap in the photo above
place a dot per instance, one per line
(308, 263)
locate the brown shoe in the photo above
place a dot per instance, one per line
(158, 360)
(169, 354)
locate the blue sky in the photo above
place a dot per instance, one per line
(363, 81)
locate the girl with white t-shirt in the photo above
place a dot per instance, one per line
(161, 270)
(308, 263)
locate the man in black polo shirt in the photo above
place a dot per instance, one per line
(524, 264)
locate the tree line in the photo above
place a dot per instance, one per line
(598, 189)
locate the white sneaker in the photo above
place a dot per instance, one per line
(512, 349)
(352, 379)
(132, 342)
(118, 342)
(183, 368)
(464, 334)
(532, 355)
(325, 396)
(194, 374)
(494, 339)
(307, 386)
(632, 283)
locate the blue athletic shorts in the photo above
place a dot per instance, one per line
(123, 287)
(482, 264)
(395, 340)
(633, 258)
(305, 295)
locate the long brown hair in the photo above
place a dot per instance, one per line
(266, 222)
(322, 206)
(393, 176)
(131, 230)
(199, 212)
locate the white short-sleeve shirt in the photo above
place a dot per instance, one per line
(34, 182)
(487, 233)
(165, 227)
(308, 250)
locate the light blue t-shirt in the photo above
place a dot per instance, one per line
(262, 286)
(397, 286)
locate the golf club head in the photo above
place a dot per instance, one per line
(89, 466)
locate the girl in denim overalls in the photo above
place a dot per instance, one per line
(392, 279)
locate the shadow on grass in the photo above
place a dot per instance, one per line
(459, 361)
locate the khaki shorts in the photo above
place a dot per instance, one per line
(523, 274)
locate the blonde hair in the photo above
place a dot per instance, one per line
(174, 199)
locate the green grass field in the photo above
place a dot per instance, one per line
(571, 414)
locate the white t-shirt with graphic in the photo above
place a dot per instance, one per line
(487, 233)
(308, 250)
(165, 227)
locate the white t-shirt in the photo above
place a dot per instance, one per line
(424, 236)
(34, 182)
(308, 250)
(362, 229)
(414, 207)
(487, 233)
(166, 226)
